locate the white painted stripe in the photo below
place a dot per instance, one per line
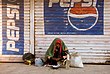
(82, 16)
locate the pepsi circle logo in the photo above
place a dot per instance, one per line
(83, 18)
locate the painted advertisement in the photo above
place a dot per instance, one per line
(12, 27)
(73, 17)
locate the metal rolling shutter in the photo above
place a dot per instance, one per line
(92, 48)
(14, 29)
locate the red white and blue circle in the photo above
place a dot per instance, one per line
(73, 20)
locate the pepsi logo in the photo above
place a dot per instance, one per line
(82, 18)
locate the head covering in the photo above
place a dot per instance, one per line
(58, 42)
(51, 49)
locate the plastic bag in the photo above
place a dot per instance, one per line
(39, 62)
(76, 60)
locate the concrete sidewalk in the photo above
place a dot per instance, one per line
(20, 68)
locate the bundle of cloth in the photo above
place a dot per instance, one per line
(28, 58)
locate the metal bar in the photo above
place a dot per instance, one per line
(32, 26)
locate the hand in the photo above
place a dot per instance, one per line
(48, 57)
(64, 57)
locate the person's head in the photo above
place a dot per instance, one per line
(58, 43)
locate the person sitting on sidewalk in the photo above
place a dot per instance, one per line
(57, 52)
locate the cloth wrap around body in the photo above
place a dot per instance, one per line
(51, 50)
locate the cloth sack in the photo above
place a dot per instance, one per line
(28, 58)
(76, 60)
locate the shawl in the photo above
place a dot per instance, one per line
(51, 49)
